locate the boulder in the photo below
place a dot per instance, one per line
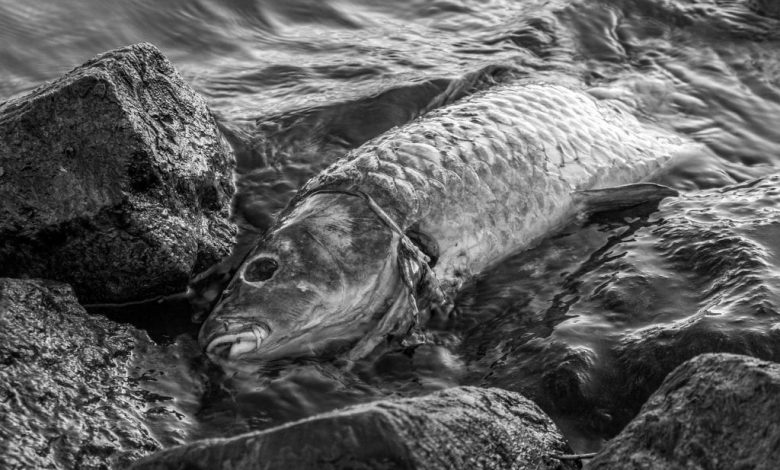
(590, 322)
(66, 398)
(113, 178)
(765, 7)
(464, 427)
(716, 411)
(722, 246)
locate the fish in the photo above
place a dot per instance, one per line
(370, 246)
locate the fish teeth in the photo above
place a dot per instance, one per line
(244, 345)
(241, 342)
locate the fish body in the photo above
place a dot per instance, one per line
(476, 180)
(498, 171)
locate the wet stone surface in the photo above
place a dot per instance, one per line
(67, 399)
(115, 179)
(590, 322)
(457, 428)
(716, 411)
(765, 7)
(725, 244)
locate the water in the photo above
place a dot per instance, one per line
(295, 84)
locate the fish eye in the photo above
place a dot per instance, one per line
(260, 269)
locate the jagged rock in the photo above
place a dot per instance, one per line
(589, 323)
(66, 400)
(114, 179)
(765, 7)
(716, 411)
(464, 427)
(722, 245)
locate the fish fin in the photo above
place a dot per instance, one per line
(622, 197)
(470, 83)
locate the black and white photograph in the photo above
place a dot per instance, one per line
(390, 234)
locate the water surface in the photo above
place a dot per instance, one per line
(296, 83)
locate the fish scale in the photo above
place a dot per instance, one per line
(498, 170)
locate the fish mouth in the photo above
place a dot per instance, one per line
(232, 345)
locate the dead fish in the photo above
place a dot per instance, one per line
(390, 231)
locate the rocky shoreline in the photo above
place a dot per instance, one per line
(116, 180)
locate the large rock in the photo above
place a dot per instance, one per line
(113, 178)
(716, 411)
(589, 323)
(456, 428)
(765, 7)
(723, 246)
(66, 398)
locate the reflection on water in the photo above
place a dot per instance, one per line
(588, 322)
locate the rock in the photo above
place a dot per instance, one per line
(66, 400)
(765, 7)
(589, 323)
(115, 180)
(464, 427)
(723, 246)
(716, 411)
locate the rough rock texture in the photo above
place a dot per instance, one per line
(716, 411)
(722, 245)
(589, 323)
(455, 428)
(113, 178)
(765, 7)
(66, 400)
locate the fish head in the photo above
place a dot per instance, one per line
(320, 279)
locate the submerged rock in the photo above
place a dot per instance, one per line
(114, 179)
(456, 428)
(765, 7)
(66, 398)
(589, 323)
(716, 411)
(723, 245)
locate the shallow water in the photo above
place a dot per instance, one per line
(295, 84)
